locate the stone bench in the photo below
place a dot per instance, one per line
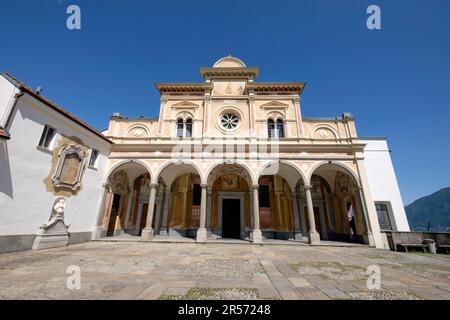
(405, 246)
(445, 248)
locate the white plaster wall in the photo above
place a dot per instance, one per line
(382, 179)
(7, 92)
(24, 202)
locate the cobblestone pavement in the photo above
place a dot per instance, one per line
(221, 271)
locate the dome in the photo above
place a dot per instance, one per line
(229, 62)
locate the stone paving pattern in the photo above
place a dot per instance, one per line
(221, 271)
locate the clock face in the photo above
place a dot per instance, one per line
(229, 121)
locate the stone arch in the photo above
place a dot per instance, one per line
(124, 163)
(206, 178)
(345, 217)
(135, 128)
(185, 166)
(118, 203)
(286, 169)
(275, 115)
(184, 115)
(338, 166)
(326, 127)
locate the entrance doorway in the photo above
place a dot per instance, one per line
(114, 214)
(231, 218)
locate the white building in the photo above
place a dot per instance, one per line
(37, 130)
(252, 167)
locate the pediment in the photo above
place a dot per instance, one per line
(275, 105)
(185, 105)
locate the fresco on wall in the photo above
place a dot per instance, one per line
(70, 169)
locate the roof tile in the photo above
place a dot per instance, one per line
(54, 106)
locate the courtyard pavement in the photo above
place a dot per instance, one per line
(134, 270)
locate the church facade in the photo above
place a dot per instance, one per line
(228, 157)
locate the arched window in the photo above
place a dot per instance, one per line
(280, 129)
(180, 128)
(270, 128)
(184, 128)
(188, 128)
(275, 129)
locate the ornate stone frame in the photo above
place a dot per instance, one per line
(229, 109)
(68, 150)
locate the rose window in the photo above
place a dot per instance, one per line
(229, 121)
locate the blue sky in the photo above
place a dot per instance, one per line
(395, 81)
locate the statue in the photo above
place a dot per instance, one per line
(55, 233)
(57, 214)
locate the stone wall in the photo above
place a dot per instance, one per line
(13, 243)
(415, 237)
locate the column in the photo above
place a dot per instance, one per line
(303, 218)
(208, 210)
(369, 205)
(202, 234)
(138, 218)
(313, 236)
(250, 197)
(256, 235)
(330, 211)
(323, 225)
(147, 233)
(159, 201)
(165, 220)
(297, 233)
(97, 234)
(298, 116)
(252, 114)
(207, 107)
(163, 100)
(130, 204)
(367, 237)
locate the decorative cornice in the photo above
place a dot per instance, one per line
(278, 87)
(163, 99)
(188, 87)
(229, 73)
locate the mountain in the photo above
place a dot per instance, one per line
(434, 208)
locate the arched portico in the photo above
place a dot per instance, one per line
(118, 212)
(333, 204)
(279, 215)
(172, 169)
(229, 201)
(234, 200)
(178, 199)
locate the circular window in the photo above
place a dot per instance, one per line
(229, 121)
